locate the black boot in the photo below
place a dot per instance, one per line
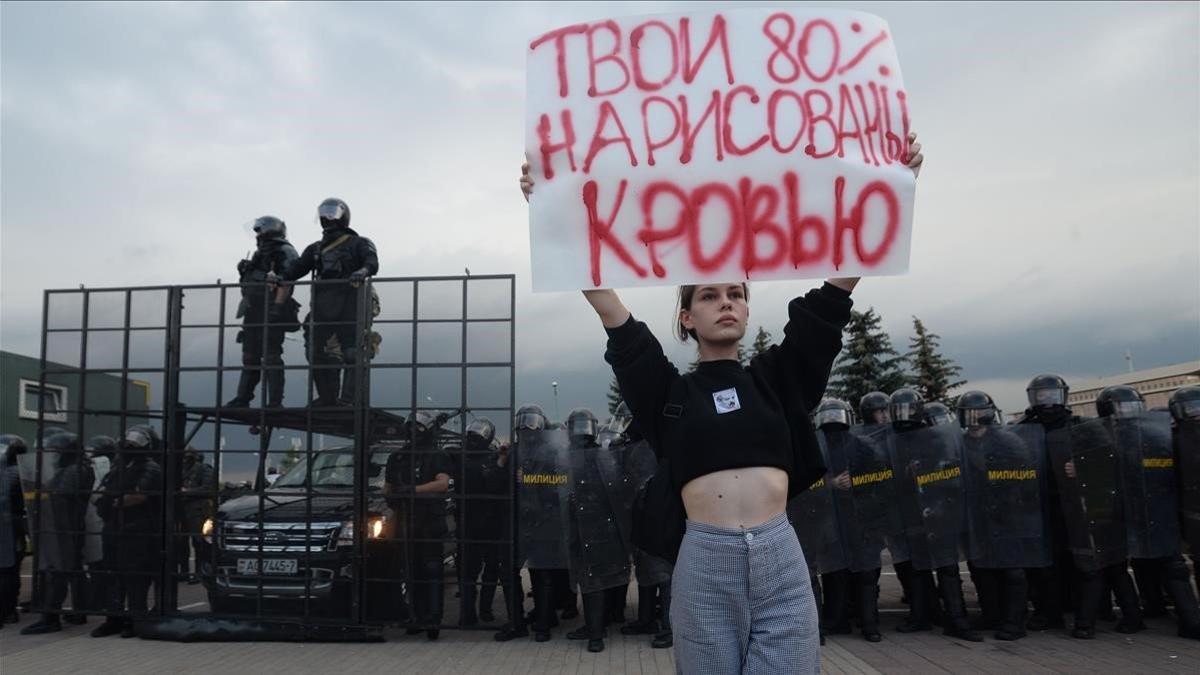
(325, 381)
(349, 392)
(1127, 600)
(954, 618)
(1179, 587)
(645, 623)
(1014, 598)
(543, 606)
(487, 595)
(920, 600)
(664, 638)
(49, 623)
(593, 619)
(866, 586)
(246, 385)
(273, 388)
(466, 604)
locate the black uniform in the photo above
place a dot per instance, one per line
(131, 542)
(420, 522)
(339, 255)
(483, 517)
(196, 505)
(12, 538)
(264, 321)
(1058, 585)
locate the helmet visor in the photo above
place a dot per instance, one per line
(1047, 397)
(832, 416)
(581, 426)
(1126, 409)
(331, 211)
(136, 438)
(1182, 410)
(976, 417)
(531, 421)
(904, 412)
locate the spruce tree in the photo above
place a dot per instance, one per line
(614, 396)
(868, 362)
(762, 342)
(933, 375)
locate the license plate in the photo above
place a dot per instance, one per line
(249, 566)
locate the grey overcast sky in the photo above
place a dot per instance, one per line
(1056, 224)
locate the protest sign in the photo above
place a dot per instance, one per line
(747, 144)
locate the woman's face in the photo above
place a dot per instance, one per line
(718, 313)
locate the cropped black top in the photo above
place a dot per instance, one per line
(726, 416)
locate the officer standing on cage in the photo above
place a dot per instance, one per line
(266, 313)
(341, 255)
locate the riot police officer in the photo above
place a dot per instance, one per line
(342, 255)
(480, 518)
(12, 527)
(266, 313)
(1047, 395)
(1002, 588)
(873, 408)
(1151, 501)
(130, 504)
(67, 482)
(416, 481)
(905, 412)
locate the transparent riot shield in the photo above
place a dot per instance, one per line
(871, 519)
(544, 483)
(1149, 486)
(1005, 484)
(814, 517)
(599, 555)
(1085, 466)
(931, 466)
(1187, 449)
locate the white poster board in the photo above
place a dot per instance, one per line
(717, 146)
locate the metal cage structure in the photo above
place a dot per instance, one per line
(302, 517)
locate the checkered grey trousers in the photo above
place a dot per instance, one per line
(742, 602)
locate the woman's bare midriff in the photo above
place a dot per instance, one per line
(745, 497)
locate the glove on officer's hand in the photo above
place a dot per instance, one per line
(358, 276)
(243, 265)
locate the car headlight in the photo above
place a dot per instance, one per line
(206, 530)
(375, 528)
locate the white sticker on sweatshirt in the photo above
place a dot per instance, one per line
(726, 400)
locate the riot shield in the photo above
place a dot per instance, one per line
(544, 465)
(871, 520)
(599, 555)
(814, 517)
(1006, 479)
(1090, 500)
(931, 469)
(1149, 491)
(1187, 449)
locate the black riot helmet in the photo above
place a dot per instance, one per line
(871, 406)
(530, 417)
(621, 419)
(1120, 401)
(140, 437)
(1185, 404)
(12, 445)
(833, 413)
(975, 409)
(905, 405)
(269, 227)
(333, 213)
(1047, 391)
(936, 414)
(101, 446)
(581, 423)
(66, 446)
(421, 425)
(47, 432)
(481, 433)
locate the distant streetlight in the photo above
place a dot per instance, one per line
(556, 415)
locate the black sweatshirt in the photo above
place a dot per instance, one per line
(725, 416)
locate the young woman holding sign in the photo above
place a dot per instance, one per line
(739, 443)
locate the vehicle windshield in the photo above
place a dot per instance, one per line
(333, 469)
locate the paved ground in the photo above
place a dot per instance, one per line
(72, 651)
